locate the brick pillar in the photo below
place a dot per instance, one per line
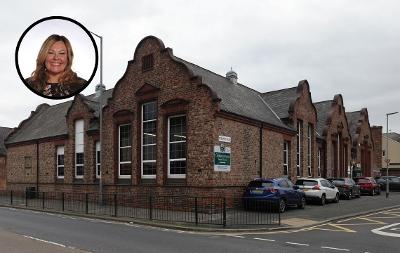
(376, 132)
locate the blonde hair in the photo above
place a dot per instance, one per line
(39, 76)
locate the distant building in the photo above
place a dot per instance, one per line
(393, 140)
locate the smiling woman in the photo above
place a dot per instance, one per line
(53, 75)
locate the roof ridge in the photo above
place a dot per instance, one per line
(323, 101)
(269, 107)
(275, 91)
(212, 72)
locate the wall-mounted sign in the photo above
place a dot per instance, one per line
(226, 139)
(222, 158)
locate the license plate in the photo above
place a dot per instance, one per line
(258, 191)
(305, 190)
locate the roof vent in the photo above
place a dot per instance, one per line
(100, 88)
(232, 76)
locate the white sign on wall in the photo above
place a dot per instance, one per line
(226, 139)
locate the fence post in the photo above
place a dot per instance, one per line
(11, 197)
(26, 198)
(224, 213)
(87, 203)
(62, 200)
(115, 205)
(43, 196)
(150, 207)
(196, 212)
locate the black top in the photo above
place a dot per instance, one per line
(58, 90)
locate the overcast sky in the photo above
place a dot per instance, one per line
(347, 47)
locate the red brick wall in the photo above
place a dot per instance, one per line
(364, 144)
(305, 111)
(376, 132)
(2, 172)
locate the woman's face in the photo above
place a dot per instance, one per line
(56, 59)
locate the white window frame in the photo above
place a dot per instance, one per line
(60, 151)
(181, 176)
(143, 145)
(98, 161)
(79, 147)
(119, 153)
(286, 157)
(298, 148)
(309, 151)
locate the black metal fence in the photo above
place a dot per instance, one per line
(218, 211)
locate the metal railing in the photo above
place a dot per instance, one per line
(215, 211)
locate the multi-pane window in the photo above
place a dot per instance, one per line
(149, 139)
(309, 149)
(298, 147)
(98, 159)
(177, 146)
(147, 62)
(285, 158)
(319, 162)
(125, 151)
(79, 148)
(60, 162)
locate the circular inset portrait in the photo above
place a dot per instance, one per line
(56, 57)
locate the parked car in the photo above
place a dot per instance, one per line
(318, 189)
(347, 187)
(368, 185)
(394, 183)
(280, 191)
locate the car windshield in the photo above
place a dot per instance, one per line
(261, 184)
(306, 182)
(362, 180)
(338, 181)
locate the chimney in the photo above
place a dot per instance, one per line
(232, 76)
(100, 88)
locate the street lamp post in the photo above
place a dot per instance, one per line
(387, 152)
(101, 88)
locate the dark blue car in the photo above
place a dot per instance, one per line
(279, 192)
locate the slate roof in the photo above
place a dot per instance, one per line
(352, 121)
(393, 136)
(280, 100)
(237, 98)
(4, 132)
(323, 109)
(49, 121)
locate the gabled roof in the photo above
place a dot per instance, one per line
(4, 132)
(280, 100)
(323, 110)
(237, 98)
(394, 136)
(49, 121)
(352, 119)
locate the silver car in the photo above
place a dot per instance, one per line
(318, 189)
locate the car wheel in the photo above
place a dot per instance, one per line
(282, 205)
(336, 199)
(322, 200)
(302, 203)
(378, 192)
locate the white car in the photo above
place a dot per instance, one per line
(318, 189)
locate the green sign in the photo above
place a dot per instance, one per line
(222, 158)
